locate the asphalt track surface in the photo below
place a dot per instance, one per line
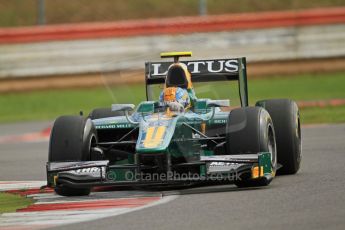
(312, 199)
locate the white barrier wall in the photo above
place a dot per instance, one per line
(103, 55)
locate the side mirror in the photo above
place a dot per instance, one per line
(207, 105)
(146, 107)
(122, 107)
(218, 103)
(126, 108)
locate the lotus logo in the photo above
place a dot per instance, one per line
(195, 67)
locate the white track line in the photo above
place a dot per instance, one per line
(54, 218)
(14, 185)
(51, 218)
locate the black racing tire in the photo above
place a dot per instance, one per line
(103, 113)
(71, 139)
(286, 119)
(251, 130)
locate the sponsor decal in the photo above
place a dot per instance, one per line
(243, 158)
(114, 126)
(87, 170)
(219, 121)
(194, 67)
(215, 167)
(92, 171)
(210, 122)
(216, 164)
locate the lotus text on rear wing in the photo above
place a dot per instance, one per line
(212, 66)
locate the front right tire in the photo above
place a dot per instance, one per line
(71, 139)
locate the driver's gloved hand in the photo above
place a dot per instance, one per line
(175, 106)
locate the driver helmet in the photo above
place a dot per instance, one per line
(175, 94)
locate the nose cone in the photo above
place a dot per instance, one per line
(155, 135)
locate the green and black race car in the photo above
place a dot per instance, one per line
(163, 143)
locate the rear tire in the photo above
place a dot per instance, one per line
(71, 139)
(250, 130)
(286, 120)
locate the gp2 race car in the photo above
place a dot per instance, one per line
(155, 144)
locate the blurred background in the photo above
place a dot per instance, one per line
(33, 12)
(61, 57)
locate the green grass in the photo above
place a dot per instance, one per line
(305, 87)
(24, 12)
(11, 202)
(48, 104)
(45, 105)
(323, 115)
(301, 87)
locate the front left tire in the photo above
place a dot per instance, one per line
(286, 119)
(250, 130)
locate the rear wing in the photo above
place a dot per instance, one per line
(204, 71)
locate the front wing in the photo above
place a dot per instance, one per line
(228, 168)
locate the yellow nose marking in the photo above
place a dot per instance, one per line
(154, 136)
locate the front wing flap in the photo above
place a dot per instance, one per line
(259, 165)
(100, 173)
